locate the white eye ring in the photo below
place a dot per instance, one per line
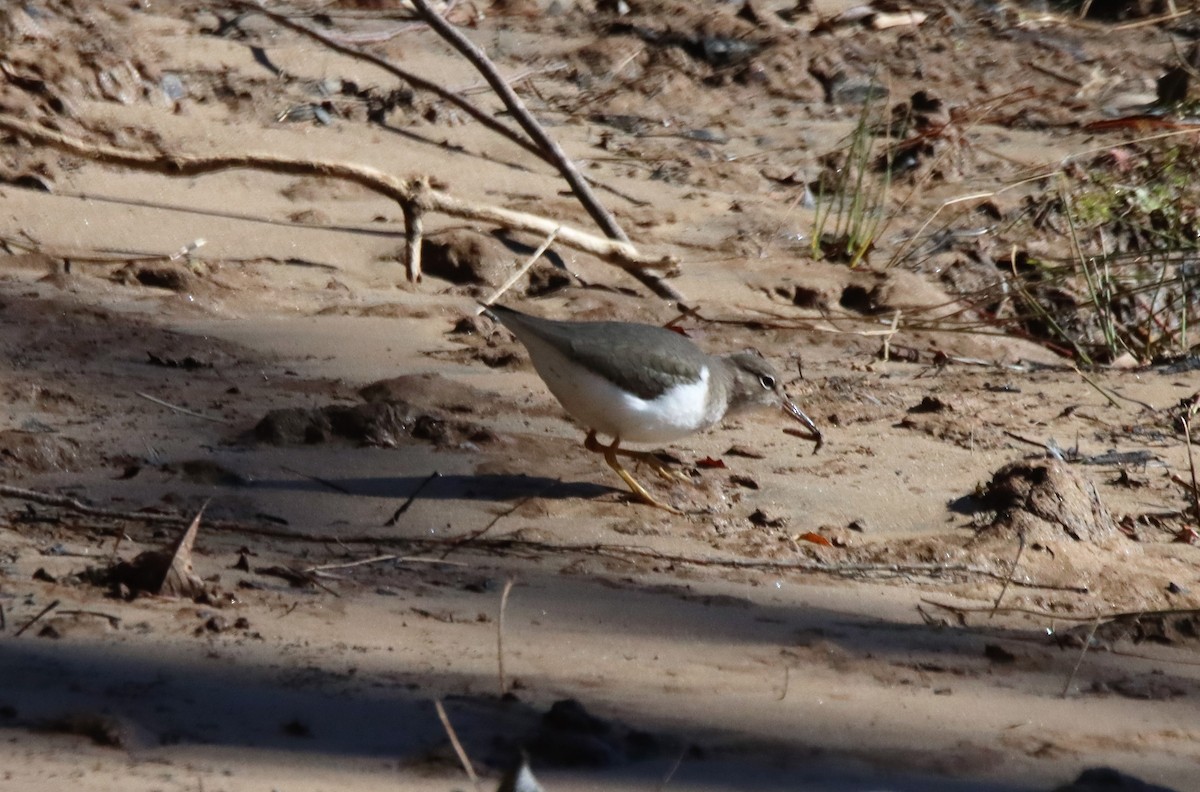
(767, 381)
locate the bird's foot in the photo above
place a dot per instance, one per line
(611, 453)
(663, 469)
(638, 490)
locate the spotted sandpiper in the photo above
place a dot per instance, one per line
(640, 383)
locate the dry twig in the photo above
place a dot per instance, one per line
(36, 618)
(1186, 420)
(550, 148)
(410, 500)
(381, 559)
(114, 621)
(414, 228)
(473, 535)
(64, 502)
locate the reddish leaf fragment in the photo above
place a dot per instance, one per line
(1187, 535)
(815, 538)
(709, 462)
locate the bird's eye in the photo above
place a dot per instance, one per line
(767, 381)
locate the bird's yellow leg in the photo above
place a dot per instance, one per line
(651, 460)
(646, 458)
(610, 456)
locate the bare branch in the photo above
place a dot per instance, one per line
(544, 142)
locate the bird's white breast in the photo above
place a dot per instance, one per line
(599, 404)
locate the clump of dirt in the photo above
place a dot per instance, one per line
(392, 411)
(1043, 500)
(430, 390)
(25, 452)
(470, 258)
(1180, 628)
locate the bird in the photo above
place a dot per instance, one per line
(641, 383)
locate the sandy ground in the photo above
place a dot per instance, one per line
(722, 648)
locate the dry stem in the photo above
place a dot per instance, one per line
(1195, 490)
(508, 584)
(516, 276)
(1087, 642)
(36, 618)
(458, 748)
(414, 229)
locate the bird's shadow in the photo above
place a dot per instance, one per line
(497, 487)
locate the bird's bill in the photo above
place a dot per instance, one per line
(815, 434)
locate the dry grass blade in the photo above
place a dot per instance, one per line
(508, 584)
(458, 747)
(1087, 642)
(1011, 574)
(516, 276)
(178, 409)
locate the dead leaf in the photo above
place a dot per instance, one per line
(1186, 535)
(166, 572)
